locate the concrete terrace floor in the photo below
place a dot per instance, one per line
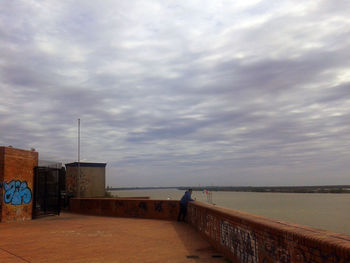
(80, 238)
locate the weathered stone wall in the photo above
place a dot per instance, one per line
(16, 178)
(246, 238)
(121, 207)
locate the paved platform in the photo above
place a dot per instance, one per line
(80, 238)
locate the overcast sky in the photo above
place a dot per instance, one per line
(181, 92)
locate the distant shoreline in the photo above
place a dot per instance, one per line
(335, 189)
(139, 188)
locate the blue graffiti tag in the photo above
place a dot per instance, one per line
(16, 192)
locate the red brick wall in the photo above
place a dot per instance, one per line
(140, 208)
(18, 175)
(246, 238)
(1, 177)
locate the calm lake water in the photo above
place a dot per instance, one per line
(324, 211)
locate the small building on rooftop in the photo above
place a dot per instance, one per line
(92, 179)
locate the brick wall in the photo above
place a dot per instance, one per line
(17, 183)
(140, 208)
(246, 238)
(1, 178)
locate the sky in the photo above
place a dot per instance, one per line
(170, 93)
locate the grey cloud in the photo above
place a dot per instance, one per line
(336, 94)
(181, 94)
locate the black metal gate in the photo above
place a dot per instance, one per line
(47, 191)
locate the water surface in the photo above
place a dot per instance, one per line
(324, 211)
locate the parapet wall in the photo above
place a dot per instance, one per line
(246, 238)
(242, 237)
(121, 207)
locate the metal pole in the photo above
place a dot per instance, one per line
(78, 181)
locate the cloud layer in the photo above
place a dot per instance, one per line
(181, 93)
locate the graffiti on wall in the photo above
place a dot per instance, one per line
(241, 242)
(208, 224)
(158, 206)
(213, 225)
(315, 254)
(72, 182)
(143, 206)
(249, 244)
(274, 248)
(17, 193)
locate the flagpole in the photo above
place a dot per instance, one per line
(78, 181)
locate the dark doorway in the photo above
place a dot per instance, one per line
(47, 191)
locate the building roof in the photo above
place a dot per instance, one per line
(85, 164)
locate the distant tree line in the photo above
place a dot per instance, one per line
(337, 189)
(276, 189)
